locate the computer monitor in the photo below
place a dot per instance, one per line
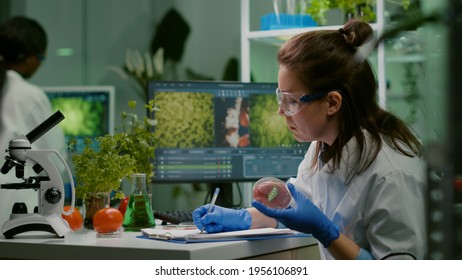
(88, 111)
(221, 132)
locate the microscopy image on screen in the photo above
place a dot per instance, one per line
(185, 119)
(232, 122)
(219, 132)
(82, 117)
(267, 128)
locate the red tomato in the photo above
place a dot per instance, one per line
(123, 205)
(107, 220)
(75, 219)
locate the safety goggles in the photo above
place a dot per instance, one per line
(40, 56)
(291, 104)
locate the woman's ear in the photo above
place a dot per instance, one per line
(334, 101)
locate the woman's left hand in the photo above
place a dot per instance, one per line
(304, 217)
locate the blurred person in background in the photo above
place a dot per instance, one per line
(23, 105)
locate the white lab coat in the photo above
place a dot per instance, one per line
(24, 106)
(382, 210)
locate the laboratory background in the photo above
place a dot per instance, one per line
(91, 43)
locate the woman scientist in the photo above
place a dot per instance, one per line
(23, 106)
(360, 189)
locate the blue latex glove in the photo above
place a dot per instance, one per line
(304, 217)
(221, 219)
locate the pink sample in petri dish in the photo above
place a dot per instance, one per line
(272, 192)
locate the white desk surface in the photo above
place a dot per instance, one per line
(41, 245)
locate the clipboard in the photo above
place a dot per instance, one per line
(194, 235)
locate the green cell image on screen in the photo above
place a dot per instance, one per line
(82, 117)
(185, 119)
(267, 127)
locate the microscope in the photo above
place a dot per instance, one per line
(48, 183)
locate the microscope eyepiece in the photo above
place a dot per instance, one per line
(46, 125)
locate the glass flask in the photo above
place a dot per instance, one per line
(139, 211)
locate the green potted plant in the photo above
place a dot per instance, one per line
(139, 139)
(99, 172)
(139, 142)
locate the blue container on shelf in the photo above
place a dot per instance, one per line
(285, 21)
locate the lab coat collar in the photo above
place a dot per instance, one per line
(14, 75)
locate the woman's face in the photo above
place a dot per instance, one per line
(314, 121)
(32, 63)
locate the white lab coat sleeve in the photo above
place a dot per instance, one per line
(394, 216)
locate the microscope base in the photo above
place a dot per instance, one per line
(35, 222)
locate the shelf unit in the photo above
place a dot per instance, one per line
(277, 37)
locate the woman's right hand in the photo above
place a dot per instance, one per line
(304, 217)
(221, 219)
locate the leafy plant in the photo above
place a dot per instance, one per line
(357, 8)
(139, 69)
(317, 10)
(139, 139)
(363, 9)
(102, 169)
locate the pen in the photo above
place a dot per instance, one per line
(212, 203)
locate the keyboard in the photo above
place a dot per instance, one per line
(174, 216)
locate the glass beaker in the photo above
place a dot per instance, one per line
(139, 213)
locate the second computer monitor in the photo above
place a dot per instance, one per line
(221, 132)
(88, 111)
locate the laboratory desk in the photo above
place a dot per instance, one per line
(33, 245)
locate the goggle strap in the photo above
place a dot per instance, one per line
(312, 97)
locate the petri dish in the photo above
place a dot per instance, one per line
(272, 192)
